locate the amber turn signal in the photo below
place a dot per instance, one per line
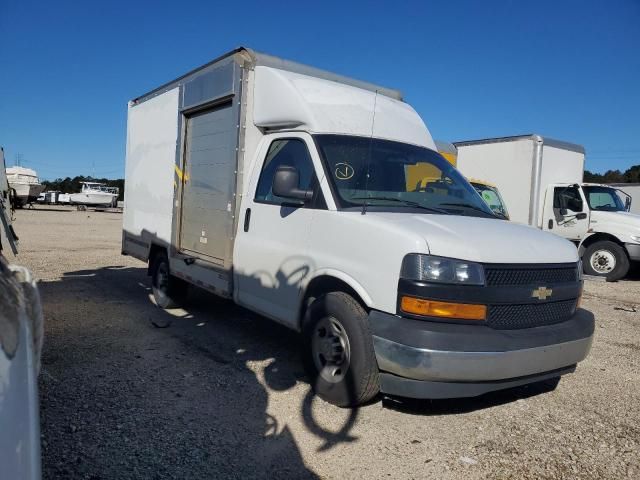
(430, 308)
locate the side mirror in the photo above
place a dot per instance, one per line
(581, 216)
(285, 184)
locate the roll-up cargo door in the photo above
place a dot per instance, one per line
(208, 183)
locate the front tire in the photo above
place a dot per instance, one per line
(606, 259)
(168, 291)
(338, 351)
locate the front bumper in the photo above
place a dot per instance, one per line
(424, 359)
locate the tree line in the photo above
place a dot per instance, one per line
(73, 185)
(630, 175)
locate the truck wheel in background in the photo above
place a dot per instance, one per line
(168, 291)
(338, 350)
(606, 259)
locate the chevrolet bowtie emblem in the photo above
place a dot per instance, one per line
(542, 293)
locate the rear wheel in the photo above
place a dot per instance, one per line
(338, 351)
(606, 259)
(168, 291)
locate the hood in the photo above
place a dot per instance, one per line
(624, 218)
(620, 224)
(482, 240)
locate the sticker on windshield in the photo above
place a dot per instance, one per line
(343, 171)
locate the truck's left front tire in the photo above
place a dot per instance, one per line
(338, 351)
(168, 291)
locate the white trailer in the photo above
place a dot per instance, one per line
(541, 182)
(292, 191)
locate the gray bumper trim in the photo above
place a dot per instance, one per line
(633, 249)
(406, 387)
(463, 366)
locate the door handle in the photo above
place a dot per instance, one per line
(550, 224)
(247, 219)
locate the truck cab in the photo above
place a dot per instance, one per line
(596, 218)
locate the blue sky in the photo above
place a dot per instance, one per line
(566, 69)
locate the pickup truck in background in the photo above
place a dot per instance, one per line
(290, 190)
(541, 181)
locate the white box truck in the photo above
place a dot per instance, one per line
(541, 182)
(284, 188)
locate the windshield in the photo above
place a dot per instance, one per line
(603, 198)
(392, 175)
(492, 198)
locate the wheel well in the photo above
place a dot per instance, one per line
(325, 284)
(598, 237)
(153, 252)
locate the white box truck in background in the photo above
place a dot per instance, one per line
(541, 182)
(287, 189)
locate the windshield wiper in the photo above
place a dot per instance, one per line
(468, 205)
(406, 202)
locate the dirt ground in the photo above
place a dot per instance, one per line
(221, 392)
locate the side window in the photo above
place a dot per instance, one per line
(286, 151)
(567, 197)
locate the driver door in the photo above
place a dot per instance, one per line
(566, 212)
(271, 251)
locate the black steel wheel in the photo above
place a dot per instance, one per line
(168, 291)
(338, 351)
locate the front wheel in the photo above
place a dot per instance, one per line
(338, 351)
(606, 259)
(168, 291)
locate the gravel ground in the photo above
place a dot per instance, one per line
(221, 393)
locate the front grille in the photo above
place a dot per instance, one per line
(504, 276)
(511, 317)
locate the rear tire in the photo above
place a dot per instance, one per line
(338, 351)
(606, 259)
(168, 291)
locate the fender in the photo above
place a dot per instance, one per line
(342, 276)
(598, 232)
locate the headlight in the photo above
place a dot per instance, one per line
(635, 238)
(429, 268)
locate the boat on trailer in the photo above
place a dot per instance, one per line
(25, 183)
(95, 194)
